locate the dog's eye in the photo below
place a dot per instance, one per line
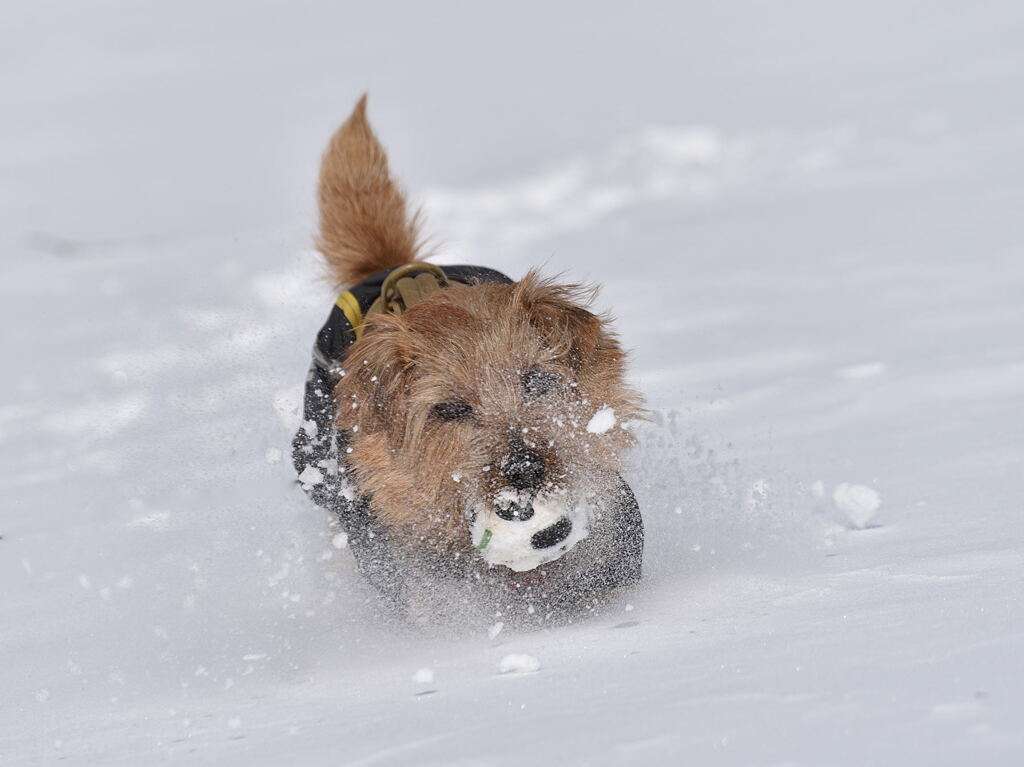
(537, 382)
(453, 411)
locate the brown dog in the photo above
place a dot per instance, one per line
(471, 397)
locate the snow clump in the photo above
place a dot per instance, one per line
(311, 476)
(603, 420)
(859, 503)
(424, 676)
(517, 663)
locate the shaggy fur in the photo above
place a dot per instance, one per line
(467, 344)
(364, 224)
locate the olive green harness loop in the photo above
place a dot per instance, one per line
(408, 285)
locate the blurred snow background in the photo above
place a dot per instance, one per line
(807, 219)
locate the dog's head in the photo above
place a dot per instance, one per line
(484, 396)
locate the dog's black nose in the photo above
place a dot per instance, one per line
(522, 467)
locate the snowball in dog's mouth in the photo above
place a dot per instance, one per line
(523, 532)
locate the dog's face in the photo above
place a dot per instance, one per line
(481, 397)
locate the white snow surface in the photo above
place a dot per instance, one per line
(806, 219)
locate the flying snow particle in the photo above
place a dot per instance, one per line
(311, 476)
(494, 630)
(340, 541)
(757, 495)
(424, 676)
(516, 663)
(603, 420)
(859, 503)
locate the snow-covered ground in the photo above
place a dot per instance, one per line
(808, 221)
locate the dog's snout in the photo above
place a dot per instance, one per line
(522, 467)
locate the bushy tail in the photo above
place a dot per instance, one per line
(364, 225)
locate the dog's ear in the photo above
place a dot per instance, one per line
(377, 373)
(559, 313)
(582, 341)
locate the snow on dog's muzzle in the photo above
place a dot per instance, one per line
(522, 533)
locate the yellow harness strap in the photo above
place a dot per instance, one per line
(350, 306)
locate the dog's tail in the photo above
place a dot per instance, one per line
(364, 224)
